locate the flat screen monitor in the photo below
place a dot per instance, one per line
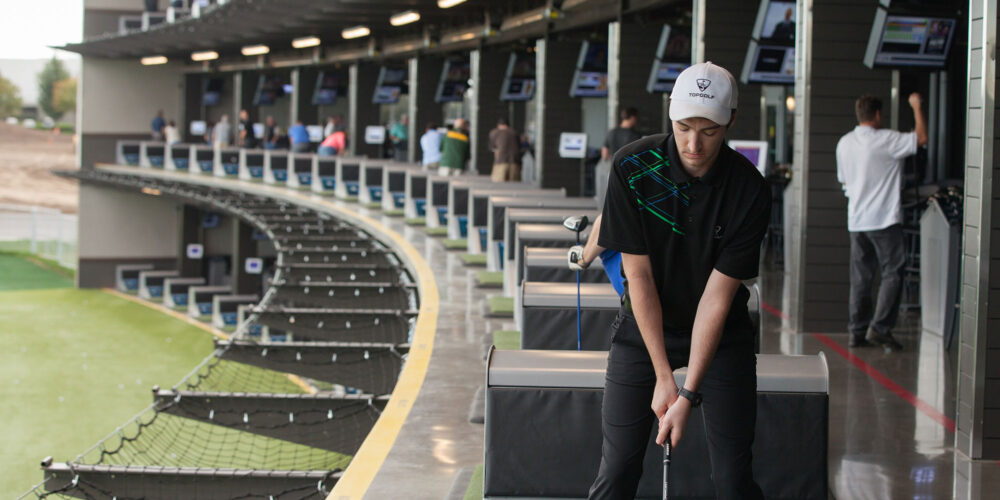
(198, 127)
(270, 88)
(909, 41)
(258, 130)
(770, 64)
(454, 81)
(519, 81)
(755, 151)
(213, 92)
(329, 85)
(775, 23)
(673, 54)
(591, 76)
(390, 85)
(315, 133)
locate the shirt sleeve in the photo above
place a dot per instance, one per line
(740, 256)
(622, 227)
(902, 144)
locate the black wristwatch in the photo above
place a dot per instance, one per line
(693, 397)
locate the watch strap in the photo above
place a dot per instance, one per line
(693, 397)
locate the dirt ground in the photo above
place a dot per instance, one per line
(27, 158)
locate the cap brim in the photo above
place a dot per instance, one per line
(682, 110)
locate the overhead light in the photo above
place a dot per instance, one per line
(207, 55)
(790, 103)
(355, 32)
(305, 42)
(444, 4)
(151, 60)
(255, 50)
(151, 191)
(410, 16)
(461, 36)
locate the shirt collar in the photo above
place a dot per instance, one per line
(712, 177)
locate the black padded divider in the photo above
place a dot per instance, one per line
(303, 165)
(555, 328)
(373, 176)
(397, 181)
(327, 167)
(350, 172)
(418, 186)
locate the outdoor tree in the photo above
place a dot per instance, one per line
(53, 72)
(10, 98)
(64, 96)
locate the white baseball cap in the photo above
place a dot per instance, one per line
(704, 90)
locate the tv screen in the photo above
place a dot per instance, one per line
(390, 85)
(909, 41)
(329, 85)
(755, 151)
(771, 64)
(454, 81)
(519, 82)
(673, 54)
(269, 89)
(591, 76)
(197, 127)
(777, 27)
(213, 92)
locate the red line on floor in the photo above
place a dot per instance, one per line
(924, 407)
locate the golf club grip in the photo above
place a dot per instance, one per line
(666, 467)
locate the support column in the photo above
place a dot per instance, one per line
(631, 51)
(189, 231)
(978, 421)
(487, 70)
(828, 79)
(305, 86)
(244, 246)
(556, 112)
(296, 98)
(363, 112)
(728, 28)
(424, 73)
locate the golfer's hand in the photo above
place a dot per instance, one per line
(915, 100)
(664, 395)
(674, 421)
(575, 259)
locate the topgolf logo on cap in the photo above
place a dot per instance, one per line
(703, 83)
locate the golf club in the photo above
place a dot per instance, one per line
(577, 224)
(666, 467)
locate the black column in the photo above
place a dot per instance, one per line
(244, 246)
(636, 52)
(424, 75)
(488, 68)
(363, 77)
(557, 112)
(307, 112)
(190, 231)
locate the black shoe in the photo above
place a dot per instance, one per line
(858, 341)
(885, 340)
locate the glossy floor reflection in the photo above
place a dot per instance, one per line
(881, 446)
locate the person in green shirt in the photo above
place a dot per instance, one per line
(454, 150)
(399, 135)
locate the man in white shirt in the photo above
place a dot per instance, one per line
(430, 144)
(869, 167)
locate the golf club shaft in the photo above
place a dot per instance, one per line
(666, 468)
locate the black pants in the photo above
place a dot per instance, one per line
(729, 409)
(869, 251)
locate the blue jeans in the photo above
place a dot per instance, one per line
(327, 151)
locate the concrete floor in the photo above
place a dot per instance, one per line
(882, 445)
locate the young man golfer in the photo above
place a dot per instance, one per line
(688, 215)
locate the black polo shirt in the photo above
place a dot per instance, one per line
(688, 226)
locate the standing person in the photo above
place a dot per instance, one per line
(271, 133)
(399, 135)
(157, 126)
(170, 133)
(684, 254)
(299, 137)
(454, 150)
(430, 144)
(869, 168)
(505, 144)
(248, 137)
(222, 134)
(625, 133)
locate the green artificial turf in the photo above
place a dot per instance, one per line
(76, 364)
(26, 273)
(394, 213)
(507, 339)
(416, 221)
(373, 204)
(437, 231)
(489, 279)
(473, 259)
(460, 244)
(475, 490)
(501, 306)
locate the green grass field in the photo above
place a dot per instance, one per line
(76, 364)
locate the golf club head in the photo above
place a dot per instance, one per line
(576, 223)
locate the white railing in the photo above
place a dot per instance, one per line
(42, 231)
